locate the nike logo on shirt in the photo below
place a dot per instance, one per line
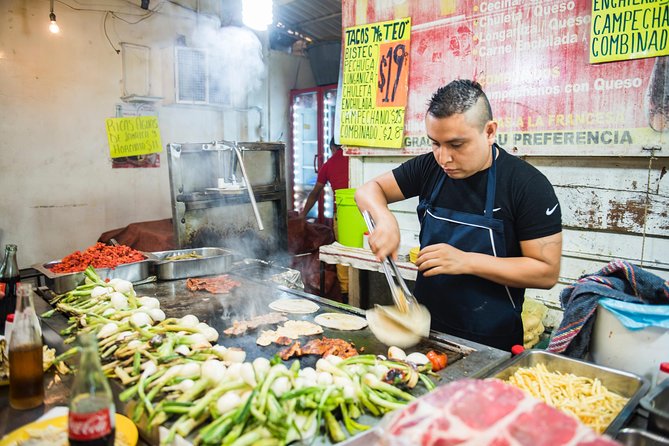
(550, 211)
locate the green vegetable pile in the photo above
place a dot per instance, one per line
(178, 377)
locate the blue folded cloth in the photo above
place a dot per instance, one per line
(637, 316)
(619, 280)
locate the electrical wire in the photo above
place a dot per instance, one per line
(115, 15)
(144, 17)
(148, 13)
(118, 15)
(104, 27)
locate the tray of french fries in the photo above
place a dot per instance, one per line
(600, 397)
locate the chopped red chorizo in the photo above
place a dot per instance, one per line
(98, 256)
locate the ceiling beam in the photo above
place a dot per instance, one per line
(320, 19)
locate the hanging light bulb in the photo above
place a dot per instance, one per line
(53, 26)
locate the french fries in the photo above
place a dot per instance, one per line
(585, 398)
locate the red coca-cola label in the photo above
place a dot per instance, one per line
(89, 426)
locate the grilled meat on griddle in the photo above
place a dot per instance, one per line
(240, 327)
(215, 285)
(322, 347)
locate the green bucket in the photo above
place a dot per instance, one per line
(351, 225)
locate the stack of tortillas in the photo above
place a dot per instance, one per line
(291, 330)
(393, 327)
(341, 321)
(295, 306)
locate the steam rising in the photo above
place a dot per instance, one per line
(235, 61)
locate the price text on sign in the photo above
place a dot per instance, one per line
(133, 136)
(629, 30)
(375, 84)
(393, 57)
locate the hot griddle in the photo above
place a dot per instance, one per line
(256, 292)
(252, 298)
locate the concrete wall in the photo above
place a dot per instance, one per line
(59, 192)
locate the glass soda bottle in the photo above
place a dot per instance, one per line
(91, 419)
(26, 376)
(9, 277)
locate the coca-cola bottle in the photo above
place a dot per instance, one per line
(9, 277)
(91, 419)
(26, 376)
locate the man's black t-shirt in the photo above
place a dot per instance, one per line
(524, 200)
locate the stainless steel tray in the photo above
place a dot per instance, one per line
(64, 282)
(213, 261)
(657, 405)
(640, 437)
(623, 383)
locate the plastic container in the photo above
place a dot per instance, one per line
(350, 223)
(637, 351)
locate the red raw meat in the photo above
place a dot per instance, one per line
(484, 412)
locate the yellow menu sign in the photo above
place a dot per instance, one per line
(138, 135)
(375, 83)
(628, 29)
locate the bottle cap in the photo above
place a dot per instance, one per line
(664, 367)
(517, 349)
(10, 318)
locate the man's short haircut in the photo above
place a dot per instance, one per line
(334, 144)
(458, 97)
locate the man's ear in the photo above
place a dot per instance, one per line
(490, 131)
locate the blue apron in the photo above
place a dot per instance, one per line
(469, 306)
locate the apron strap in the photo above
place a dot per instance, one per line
(490, 188)
(490, 192)
(437, 189)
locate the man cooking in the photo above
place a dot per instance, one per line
(490, 222)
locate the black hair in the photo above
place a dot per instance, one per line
(458, 97)
(334, 144)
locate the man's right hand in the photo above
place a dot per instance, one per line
(374, 197)
(385, 240)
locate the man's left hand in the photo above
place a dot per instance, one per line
(441, 258)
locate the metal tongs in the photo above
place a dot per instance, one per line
(402, 297)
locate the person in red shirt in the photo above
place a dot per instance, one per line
(334, 171)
